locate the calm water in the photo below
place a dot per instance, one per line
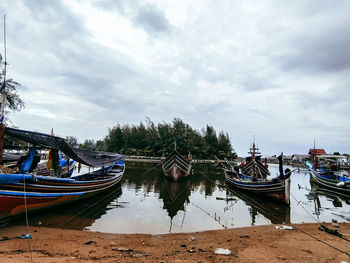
(146, 202)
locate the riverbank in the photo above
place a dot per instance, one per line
(251, 244)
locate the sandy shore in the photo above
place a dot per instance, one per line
(253, 244)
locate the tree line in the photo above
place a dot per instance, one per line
(152, 139)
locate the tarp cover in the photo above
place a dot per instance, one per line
(91, 158)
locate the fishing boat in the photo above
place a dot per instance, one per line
(331, 181)
(26, 190)
(255, 179)
(79, 216)
(254, 167)
(175, 166)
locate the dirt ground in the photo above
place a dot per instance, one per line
(305, 243)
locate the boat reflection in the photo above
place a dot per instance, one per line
(276, 212)
(175, 196)
(78, 215)
(338, 199)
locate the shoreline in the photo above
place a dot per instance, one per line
(248, 244)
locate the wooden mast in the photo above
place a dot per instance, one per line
(2, 110)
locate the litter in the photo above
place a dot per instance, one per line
(284, 227)
(222, 251)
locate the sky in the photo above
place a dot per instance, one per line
(276, 70)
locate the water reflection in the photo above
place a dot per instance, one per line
(175, 196)
(276, 212)
(146, 202)
(76, 215)
(323, 196)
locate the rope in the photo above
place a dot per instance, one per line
(320, 240)
(323, 227)
(28, 236)
(87, 208)
(151, 168)
(299, 203)
(208, 214)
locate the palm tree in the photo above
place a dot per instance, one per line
(9, 89)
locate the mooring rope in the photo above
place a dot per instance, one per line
(217, 220)
(299, 203)
(87, 208)
(151, 168)
(342, 251)
(27, 235)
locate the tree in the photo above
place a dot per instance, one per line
(158, 140)
(14, 102)
(100, 145)
(115, 139)
(88, 144)
(72, 141)
(211, 141)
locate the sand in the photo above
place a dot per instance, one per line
(251, 244)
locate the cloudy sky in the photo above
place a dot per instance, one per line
(279, 70)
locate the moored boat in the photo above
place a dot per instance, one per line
(254, 167)
(28, 191)
(254, 179)
(175, 166)
(331, 181)
(275, 188)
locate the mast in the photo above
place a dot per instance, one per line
(254, 149)
(3, 86)
(2, 90)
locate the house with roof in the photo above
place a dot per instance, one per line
(313, 153)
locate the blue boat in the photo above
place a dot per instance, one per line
(28, 191)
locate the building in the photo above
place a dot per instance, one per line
(313, 153)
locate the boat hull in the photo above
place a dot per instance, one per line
(35, 193)
(334, 185)
(275, 189)
(176, 167)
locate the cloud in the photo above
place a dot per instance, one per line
(266, 69)
(152, 20)
(316, 43)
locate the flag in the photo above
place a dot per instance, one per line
(3, 86)
(49, 158)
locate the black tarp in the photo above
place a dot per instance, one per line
(91, 158)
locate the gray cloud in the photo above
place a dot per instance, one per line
(266, 69)
(317, 42)
(152, 20)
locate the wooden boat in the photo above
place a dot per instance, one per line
(275, 188)
(331, 181)
(253, 166)
(27, 191)
(254, 179)
(66, 170)
(175, 166)
(79, 216)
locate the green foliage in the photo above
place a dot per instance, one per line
(72, 141)
(88, 144)
(14, 102)
(158, 140)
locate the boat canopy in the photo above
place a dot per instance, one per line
(90, 158)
